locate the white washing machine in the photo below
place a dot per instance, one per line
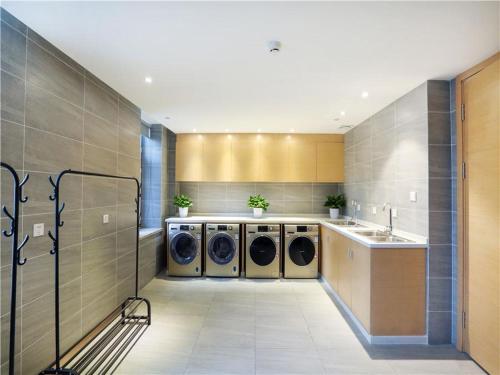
(222, 250)
(262, 255)
(184, 249)
(301, 251)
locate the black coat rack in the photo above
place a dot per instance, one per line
(97, 352)
(17, 259)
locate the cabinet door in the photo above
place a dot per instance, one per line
(217, 158)
(360, 287)
(244, 158)
(328, 266)
(330, 161)
(301, 159)
(189, 157)
(273, 157)
(345, 270)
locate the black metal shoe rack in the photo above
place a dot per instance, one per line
(17, 259)
(104, 348)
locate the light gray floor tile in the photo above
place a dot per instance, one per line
(288, 361)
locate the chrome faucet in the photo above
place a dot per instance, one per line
(388, 228)
(354, 205)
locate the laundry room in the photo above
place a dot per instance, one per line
(250, 188)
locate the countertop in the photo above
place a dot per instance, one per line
(148, 232)
(417, 241)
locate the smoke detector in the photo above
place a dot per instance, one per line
(274, 46)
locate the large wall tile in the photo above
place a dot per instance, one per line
(13, 21)
(99, 160)
(129, 120)
(412, 105)
(70, 263)
(126, 240)
(438, 96)
(129, 144)
(440, 161)
(51, 74)
(99, 192)
(98, 252)
(98, 307)
(99, 132)
(12, 141)
(101, 101)
(127, 216)
(37, 278)
(47, 112)
(45, 152)
(93, 222)
(128, 166)
(12, 93)
(13, 51)
(96, 281)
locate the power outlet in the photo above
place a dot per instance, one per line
(105, 219)
(374, 210)
(394, 212)
(38, 230)
(413, 196)
(358, 207)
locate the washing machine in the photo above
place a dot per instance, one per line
(262, 255)
(301, 251)
(184, 249)
(222, 250)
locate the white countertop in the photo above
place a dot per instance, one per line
(148, 232)
(417, 241)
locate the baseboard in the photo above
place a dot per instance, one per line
(376, 340)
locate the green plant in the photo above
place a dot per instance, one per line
(335, 201)
(182, 201)
(258, 201)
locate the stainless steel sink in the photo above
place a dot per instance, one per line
(346, 223)
(389, 238)
(370, 233)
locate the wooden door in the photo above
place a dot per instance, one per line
(481, 220)
(301, 159)
(189, 157)
(330, 162)
(344, 269)
(273, 157)
(244, 158)
(217, 158)
(361, 283)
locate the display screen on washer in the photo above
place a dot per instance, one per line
(183, 248)
(221, 248)
(263, 228)
(184, 227)
(263, 250)
(222, 227)
(301, 228)
(301, 251)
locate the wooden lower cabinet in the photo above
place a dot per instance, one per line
(383, 288)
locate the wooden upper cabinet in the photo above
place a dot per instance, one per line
(301, 159)
(244, 158)
(273, 158)
(189, 157)
(217, 158)
(330, 159)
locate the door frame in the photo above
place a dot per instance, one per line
(462, 253)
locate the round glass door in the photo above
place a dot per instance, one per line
(183, 248)
(221, 248)
(301, 251)
(263, 250)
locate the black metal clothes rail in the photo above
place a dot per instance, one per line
(99, 353)
(17, 259)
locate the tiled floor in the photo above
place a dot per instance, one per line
(207, 326)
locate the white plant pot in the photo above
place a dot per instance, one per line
(183, 211)
(257, 212)
(334, 213)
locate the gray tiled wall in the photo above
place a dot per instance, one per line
(284, 198)
(56, 115)
(406, 147)
(453, 149)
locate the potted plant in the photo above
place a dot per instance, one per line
(335, 203)
(183, 202)
(258, 203)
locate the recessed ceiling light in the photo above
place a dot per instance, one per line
(345, 127)
(342, 113)
(194, 130)
(274, 46)
(364, 94)
(148, 79)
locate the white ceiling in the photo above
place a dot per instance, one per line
(211, 69)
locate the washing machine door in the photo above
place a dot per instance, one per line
(263, 250)
(301, 251)
(221, 248)
(183, 248)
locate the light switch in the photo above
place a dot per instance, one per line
(358, 207)
(105, 219)
(374, 210)
(38, 230)
(413, 196)
(394, 212)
